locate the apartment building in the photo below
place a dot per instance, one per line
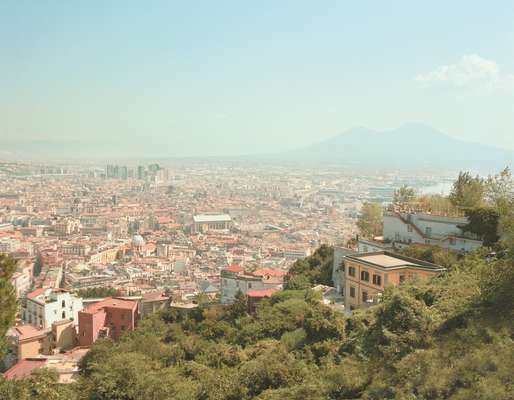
(44, 306)
(111, 317)
(366, 275)
(235, 279)
(405, 228)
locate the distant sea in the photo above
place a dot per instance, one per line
(442, 188)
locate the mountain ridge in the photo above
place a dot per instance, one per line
(415, 145)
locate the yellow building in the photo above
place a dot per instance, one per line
(31, 342)
(367, 274)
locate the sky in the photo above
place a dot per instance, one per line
(196, 78)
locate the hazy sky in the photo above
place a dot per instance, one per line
(229, 77)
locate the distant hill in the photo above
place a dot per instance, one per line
(412, 145)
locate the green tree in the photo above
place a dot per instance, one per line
(38, 264)
(500, 194)
(371, 220)
(467, 191)
(483, 222)
(404, 195)
(7, 298)
(97, 292)
(500, 191)
(313, 270)
(437, 204)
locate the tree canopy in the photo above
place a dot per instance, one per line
(468, 191)
(446, 338)
(7, 298)
(371, 220)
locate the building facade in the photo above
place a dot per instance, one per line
(45, 306)
(235, 279)
(206, 222)
(111, 317)
(368, 274)
(405, 228)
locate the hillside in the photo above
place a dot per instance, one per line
(450, 338)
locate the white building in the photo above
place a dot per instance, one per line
(234, 279)
(46, 306)
(21, 281)
(338, 267)
(405, 228)
(205, 222)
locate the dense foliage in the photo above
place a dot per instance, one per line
(97, 292)
(483, 222)
(371, 220)
(313, 270)
(468, 191)
(448, 338)
(7, 299)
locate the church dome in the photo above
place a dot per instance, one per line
(138, 241)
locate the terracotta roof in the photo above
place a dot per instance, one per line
(110, 302)
(36, 293)
(261, 293)
(154, 296)
(268, 272)
(234, 268)
(25, 332)
(24, 368)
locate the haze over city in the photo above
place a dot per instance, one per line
(273, 200)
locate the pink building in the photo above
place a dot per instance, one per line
(109, 318)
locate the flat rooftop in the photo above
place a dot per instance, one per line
(388, 260)
(212, 218)
(385, 261)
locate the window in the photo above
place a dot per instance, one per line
(409, 228)
(365, 276)
(249, 285)
(64, 315)
(352, 291)
(63, 304)
(377, 280)
(428, 231)
(351, 271)
(123, 327)
(364, 296)
(402, 278)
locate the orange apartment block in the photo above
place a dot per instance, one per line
(367, 275)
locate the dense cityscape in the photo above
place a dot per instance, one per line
(97, 249)
(273, 200)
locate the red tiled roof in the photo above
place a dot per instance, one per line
(234, 268)
(36, 293)
(261, 293)
(24, 368)
(110, 302)
(25, 332)
(269, 272)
